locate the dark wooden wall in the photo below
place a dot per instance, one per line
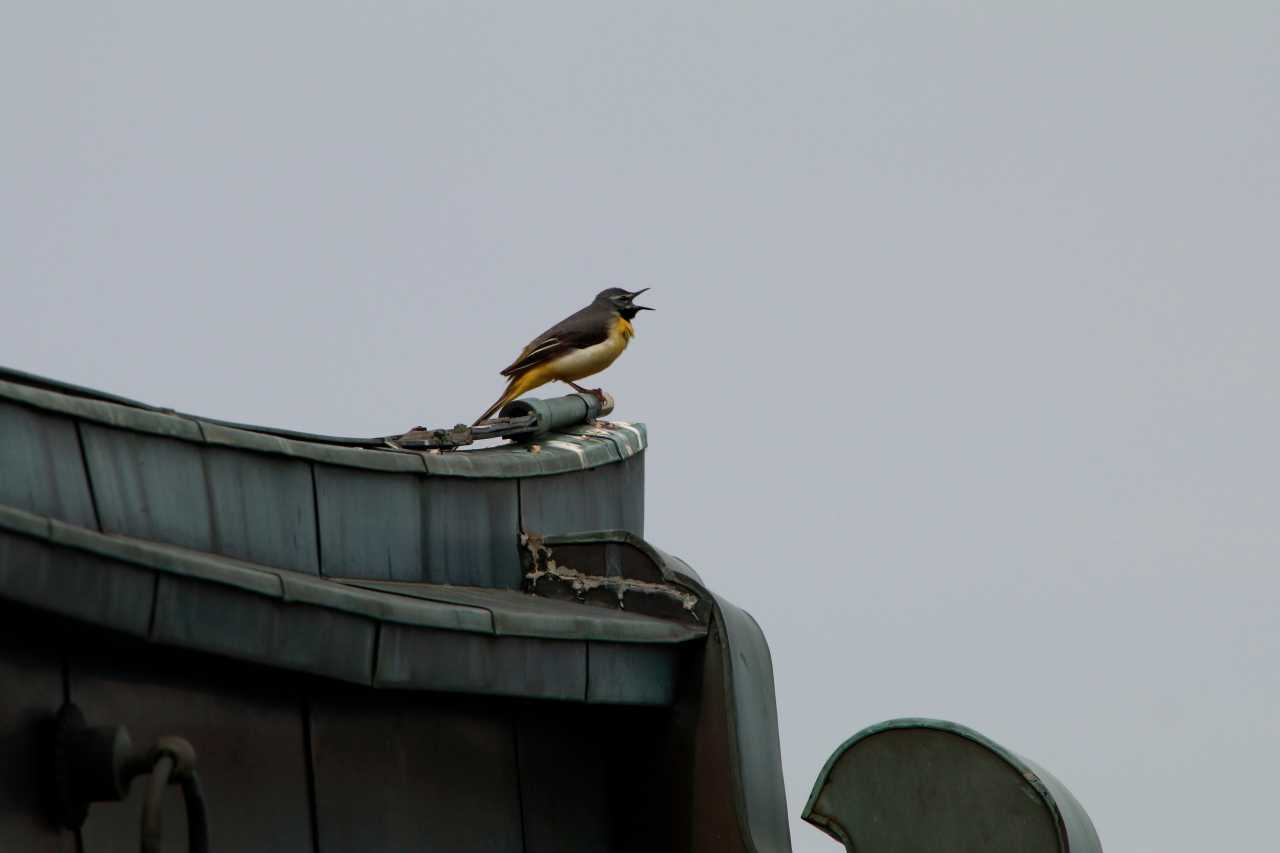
(294, 763)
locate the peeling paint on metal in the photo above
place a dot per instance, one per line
(545, 566)
(575, 448)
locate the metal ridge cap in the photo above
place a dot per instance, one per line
(277, 584)
(477, 610)
(22, 377)
(517, 613)
(554, 452)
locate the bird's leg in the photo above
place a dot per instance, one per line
(598, 393)
(594, 392)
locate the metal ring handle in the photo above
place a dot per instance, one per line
(152, 824)
(192, 800)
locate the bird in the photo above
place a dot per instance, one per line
(583, 343)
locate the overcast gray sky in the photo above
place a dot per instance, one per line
(963, 378)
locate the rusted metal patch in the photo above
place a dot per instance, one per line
(541, 566)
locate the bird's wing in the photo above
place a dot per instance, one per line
(577, 331)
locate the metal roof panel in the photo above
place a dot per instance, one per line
(574, 449)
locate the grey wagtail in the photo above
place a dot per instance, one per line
(581, 344)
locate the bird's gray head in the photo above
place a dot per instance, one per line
(622, 301)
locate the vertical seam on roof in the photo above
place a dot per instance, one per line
(64, 661)
(315, 517)
(312, 806)
(424, 532)
(520, 530)
(215, 535)
(155, 605)
(515, 738)
(88, 478)
(520, 522)
(377, 647)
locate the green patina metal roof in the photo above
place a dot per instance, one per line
(573, 449)
(340, 509)
(352, 630)
(915, 785)
(465, 571)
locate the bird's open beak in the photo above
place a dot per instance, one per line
(640, 307)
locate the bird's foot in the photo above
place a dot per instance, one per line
(598, 393)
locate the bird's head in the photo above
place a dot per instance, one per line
(623, 301)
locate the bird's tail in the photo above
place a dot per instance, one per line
(513, 390)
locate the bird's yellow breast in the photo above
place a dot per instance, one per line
(595, 358)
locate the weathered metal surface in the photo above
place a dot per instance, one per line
(597, 778)
(646, 786)
(429, 659)
(403, 610)
(412, 773)
(41, 468)
(70, 582)
(31, 687)
(628, 554)
(473, 532)
(916, 786)
(348, 509)
(129, 553)
(100, 411)
(213, 618)
(552, 453)
(572, 449)
(491, 611)
(624, 673)
(627, 438)
(348, 597)
(22, 377)
(617, 559)
(520, 420)
(375, 458)
(382, 514)
(246, 732)
(263, 508)
(371, 525)
(612, 569)
(610, 498)
(558, 413)
(711, 793)
(518, 614)
(301, 622)
(565, 797)
(754, 748)
(99, 764)
(148, 486)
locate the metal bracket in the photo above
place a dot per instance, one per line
(422, 438)
(519, 420)
(93, 764)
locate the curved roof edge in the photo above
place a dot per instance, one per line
(1076, 832)
(745, 665)
(755, 747)
(579, 448)
(353, 630)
